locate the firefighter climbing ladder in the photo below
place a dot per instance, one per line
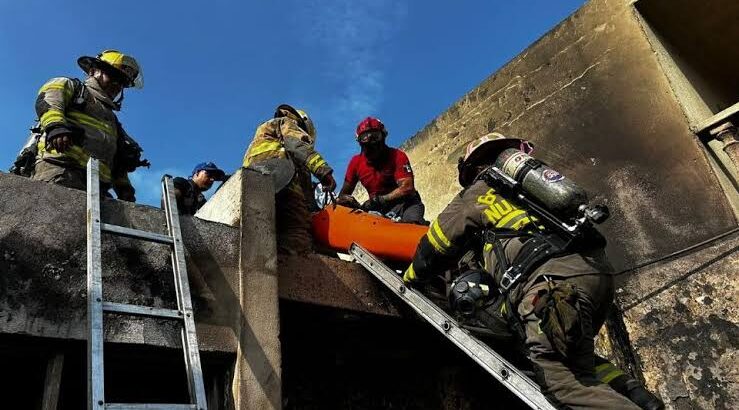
(492, 362)
(96, 306)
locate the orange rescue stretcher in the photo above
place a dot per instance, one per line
(337, 227)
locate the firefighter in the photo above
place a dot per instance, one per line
(77, 121)
(385, 173)
(558, 304)
(189, 192)
(289, 138)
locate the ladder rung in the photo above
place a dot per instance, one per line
(136, 233)
(137, 310)
(138, 406)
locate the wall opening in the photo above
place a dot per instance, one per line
(695, 43)
(133, 374)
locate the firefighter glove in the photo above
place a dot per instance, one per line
(375, 203)
(328, 183)
(347, 200)
(61, 142)
(409, 277)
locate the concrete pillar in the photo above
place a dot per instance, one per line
(257, 379)
(728, 135)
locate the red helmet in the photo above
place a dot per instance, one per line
(370, 124)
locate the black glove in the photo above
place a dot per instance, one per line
(375, 203)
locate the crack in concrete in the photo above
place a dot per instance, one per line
(548, 96)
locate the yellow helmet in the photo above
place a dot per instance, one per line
(300, 116)
(310, 128)
(124, 64)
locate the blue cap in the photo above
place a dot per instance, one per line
(212, 169)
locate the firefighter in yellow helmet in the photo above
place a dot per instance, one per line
(287, 142)
(77, 121)
(549, 293)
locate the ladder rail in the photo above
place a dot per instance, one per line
(184, 301)
(96, 307)
(95, 336)
(507, 374)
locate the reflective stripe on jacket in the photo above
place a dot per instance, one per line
(92, 123)
(477, 208)
(283, 138)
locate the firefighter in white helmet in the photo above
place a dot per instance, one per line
(550, 293)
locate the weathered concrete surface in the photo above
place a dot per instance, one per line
(313, 279)
(593, 98)
(43, 262)
(225, 205)
(683, 321)
(43, 280)
(258, 377)
(320, 280)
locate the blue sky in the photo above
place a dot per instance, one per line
(215, 70)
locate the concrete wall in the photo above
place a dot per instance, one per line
(345, 341)
(681, 317)
(43, 280)
(595, 100)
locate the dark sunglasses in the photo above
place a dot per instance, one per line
(369, 136)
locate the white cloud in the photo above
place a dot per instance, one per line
(353, 36)
(148, 183)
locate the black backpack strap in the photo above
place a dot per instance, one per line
(534, 252)
(79, 92)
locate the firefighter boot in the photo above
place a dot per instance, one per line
(636, 393)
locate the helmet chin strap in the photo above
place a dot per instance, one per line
(118, 101)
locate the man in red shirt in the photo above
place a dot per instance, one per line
(385, 173)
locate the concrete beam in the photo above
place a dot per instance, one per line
(42, 271)
(257, 381)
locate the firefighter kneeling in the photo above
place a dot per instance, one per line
(285, 147)
(549, 288)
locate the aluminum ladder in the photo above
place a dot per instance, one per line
(96, 306)
(508, 375)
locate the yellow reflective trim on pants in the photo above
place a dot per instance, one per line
(509, 218)
(440, 234)
(604, 366)
(50, 117)
(487, 247)
(263, 147)
(434, 243)
(610, 376)
(91, 121)
(606, 372)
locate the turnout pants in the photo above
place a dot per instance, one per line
(70, 177)
(293, 220)
(570, 382)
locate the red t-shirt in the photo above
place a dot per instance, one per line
(382, 179)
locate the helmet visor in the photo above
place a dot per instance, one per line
(138, 81)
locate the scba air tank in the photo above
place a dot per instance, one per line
(558, 194)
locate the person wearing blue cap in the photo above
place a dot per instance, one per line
(189, 192)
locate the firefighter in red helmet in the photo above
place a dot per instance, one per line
(385, 173)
